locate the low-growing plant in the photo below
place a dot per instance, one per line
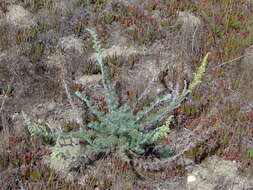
(120, 130)
(250, 154)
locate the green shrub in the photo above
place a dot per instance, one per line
(120, 130)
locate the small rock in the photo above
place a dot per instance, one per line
(20, 17)
(191, 178)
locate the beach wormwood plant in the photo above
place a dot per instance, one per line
(119, 130)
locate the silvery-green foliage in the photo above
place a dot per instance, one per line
(119, 129)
